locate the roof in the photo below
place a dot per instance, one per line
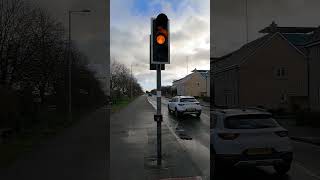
(234, 59)
(298, 39)
(273, 28)
(203, 73)
(288, 30)
(315, 39)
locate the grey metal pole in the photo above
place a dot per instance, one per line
(247, 23)
(131, 82)
(69, 72)
(159, 113)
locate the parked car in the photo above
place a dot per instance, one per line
(181, 105)
(248, 137)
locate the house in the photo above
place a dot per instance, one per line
(314, 74)
(270, 71)
(195, 84)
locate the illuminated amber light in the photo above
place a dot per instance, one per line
(161, 39)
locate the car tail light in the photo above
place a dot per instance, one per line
(282, 133)
(228, 136)
(181, 104)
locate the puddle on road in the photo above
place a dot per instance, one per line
(182, 134)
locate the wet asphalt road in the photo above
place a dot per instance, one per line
(306, 164)
(196, 130)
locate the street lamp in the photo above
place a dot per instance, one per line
(70, 62)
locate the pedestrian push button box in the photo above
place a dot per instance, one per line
(158, 118)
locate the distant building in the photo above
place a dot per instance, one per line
(195, 84)
(271, 71)
(314, 73)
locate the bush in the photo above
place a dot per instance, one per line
(205, 98)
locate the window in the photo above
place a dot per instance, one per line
(281, 72)
(188, 100)
(254, 121)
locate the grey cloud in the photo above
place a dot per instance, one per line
(228, 20)
(192, 28)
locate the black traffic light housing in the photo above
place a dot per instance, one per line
(160, 40)
(154, 66)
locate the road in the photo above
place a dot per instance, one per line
(306, 164)
(198, 129)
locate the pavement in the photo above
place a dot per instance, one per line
(305, 134)
(79, 152)
(133, 147)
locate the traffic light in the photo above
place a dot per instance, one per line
(154, 66)
(160, 40)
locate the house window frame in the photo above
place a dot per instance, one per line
(281, 72)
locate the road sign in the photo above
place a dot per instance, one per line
(160, 40)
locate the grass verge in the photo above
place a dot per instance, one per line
(120, 104)
(51, 124)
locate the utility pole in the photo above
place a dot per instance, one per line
(187, 65)
(131, 82)
(70, 64)
(159, 114)
(247, 23)
(69, 71)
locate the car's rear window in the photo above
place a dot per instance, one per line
(188, 100)
(255, 121)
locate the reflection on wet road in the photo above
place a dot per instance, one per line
(297, 172)
(192, 133)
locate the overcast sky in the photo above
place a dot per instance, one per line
(190, 36)
(228, 20)
(88, 30)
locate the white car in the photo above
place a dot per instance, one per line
(184, 105)
(248, 137)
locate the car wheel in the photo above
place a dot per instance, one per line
(282, 168)
(198, 114)
(169, 110)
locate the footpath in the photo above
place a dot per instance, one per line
(78, 152)
(133, 147)
(305, 134)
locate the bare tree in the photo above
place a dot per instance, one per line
(121, 82)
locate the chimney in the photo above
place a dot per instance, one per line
(273, 28)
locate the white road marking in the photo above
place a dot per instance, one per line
(205, 115)
(307, 171)
(153, 105)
